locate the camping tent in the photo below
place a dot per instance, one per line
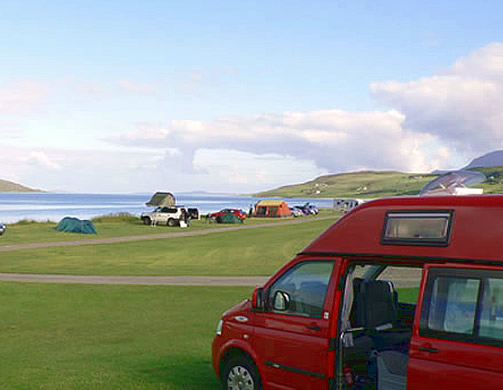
(162, 199)
(229, 218)
(272, 208)
(75, 225)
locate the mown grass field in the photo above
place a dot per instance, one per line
(246, 252)
(110, 337)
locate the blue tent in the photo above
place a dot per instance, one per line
(75, 225)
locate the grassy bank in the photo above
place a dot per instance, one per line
(251, 252)
(109, 337)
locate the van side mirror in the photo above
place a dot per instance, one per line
(258, 299)
(281, 301)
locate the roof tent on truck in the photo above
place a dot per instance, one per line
(162, 199)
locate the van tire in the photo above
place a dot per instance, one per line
(240, 369)
(171, 222)
(147, 221)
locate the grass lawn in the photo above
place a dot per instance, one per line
(110, 337)
(251, 252)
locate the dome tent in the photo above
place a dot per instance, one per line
(229, 218)
(75, 225)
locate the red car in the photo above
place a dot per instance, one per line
(238, 213)
(400, 293)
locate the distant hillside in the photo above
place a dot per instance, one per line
(8, 186)
(375, 184)
(492, 159)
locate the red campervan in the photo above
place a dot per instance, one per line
(400, 293)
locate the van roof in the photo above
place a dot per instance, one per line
(475, 230)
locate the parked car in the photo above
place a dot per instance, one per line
(170, 216)
(2, 229)
(303, 210)
(308, 209)
(399, 293)
(296, 212)
(194, 213)
(238, 213)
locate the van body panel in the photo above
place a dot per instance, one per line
(278, 338)
(360, 231)
(291, 354)
(455, 366)
(447, 361)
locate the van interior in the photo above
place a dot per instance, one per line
(376, 325)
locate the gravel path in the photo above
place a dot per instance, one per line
(141, 280)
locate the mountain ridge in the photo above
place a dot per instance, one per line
(9, 186)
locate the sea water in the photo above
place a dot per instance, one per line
(47, 206)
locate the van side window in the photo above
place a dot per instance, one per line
(491, 317)
(306, 286)
(464, 305)
(453, 304)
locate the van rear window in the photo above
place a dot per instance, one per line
(417, 228)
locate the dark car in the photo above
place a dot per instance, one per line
(238, 213)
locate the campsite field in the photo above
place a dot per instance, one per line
(109, 337)
(72, 337)
(25, 232)
(244, 252)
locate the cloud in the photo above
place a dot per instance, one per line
(430, 123)
(335, 140)
(41, 159)
(462, 105)
(22, 96)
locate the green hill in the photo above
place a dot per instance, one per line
(374, 184)
(8, 186)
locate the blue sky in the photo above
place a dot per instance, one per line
(128, 96)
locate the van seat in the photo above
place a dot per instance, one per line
(392, 370)
(378, 313)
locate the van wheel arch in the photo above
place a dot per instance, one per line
(147, 221)
(236, 355)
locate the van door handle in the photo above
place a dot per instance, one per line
(428, 349)
(314, 327)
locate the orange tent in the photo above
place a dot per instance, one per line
(272, 208)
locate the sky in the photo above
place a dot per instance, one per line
(239, 97)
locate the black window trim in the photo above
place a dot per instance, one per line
(418, 241)
(474, 338)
